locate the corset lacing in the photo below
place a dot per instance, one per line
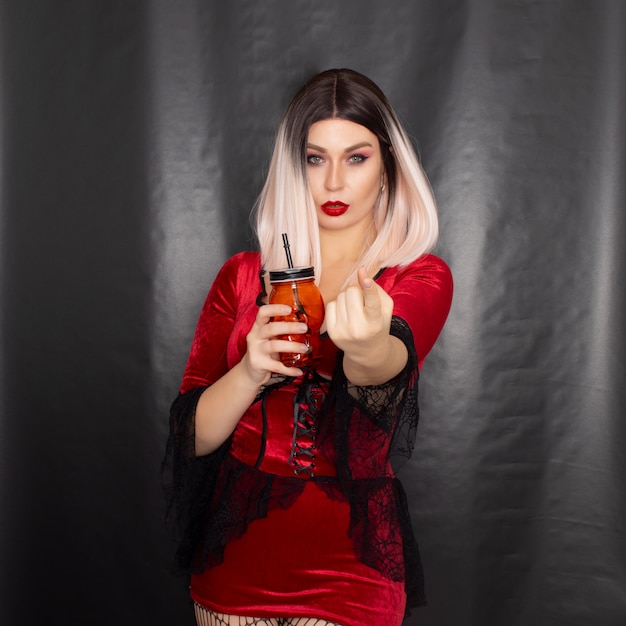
(308, 400)
(307, 406)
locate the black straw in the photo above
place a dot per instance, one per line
(287, 250)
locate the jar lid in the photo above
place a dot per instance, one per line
(291, 273)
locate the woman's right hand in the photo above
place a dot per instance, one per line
(262, 357)
(223, 403)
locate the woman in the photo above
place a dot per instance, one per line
(282, 477)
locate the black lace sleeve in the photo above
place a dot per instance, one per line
(187, 479)
(212, 499)
(406, 408)
(388, 412)
(374, 426)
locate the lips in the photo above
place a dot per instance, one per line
(334, 208)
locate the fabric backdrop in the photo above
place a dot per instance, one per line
(134, 139)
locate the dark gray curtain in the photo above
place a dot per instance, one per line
(134, 139)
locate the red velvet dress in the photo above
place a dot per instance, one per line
(299, 513)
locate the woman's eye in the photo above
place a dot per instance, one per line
(314, 159)
(357, 158)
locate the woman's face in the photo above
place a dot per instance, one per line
(346, 173)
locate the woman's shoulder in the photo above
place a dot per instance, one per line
(239, 272)
(244, 260)
(430, 262)
(426, 268)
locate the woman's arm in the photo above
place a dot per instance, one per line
(358, 322)
(222, 405)
(230, 390)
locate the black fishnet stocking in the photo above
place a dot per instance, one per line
(209, 618)
(307, 621)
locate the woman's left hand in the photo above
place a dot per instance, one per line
(358, 320)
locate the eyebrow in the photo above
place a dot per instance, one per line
(356, 146)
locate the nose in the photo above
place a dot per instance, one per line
(334, 177)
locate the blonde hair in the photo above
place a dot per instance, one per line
(405, 220)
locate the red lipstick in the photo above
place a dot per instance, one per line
(334, 208)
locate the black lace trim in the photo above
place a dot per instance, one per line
(189, 481)
(380, 418)
(375, 427)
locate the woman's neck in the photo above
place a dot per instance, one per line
(340, 254)
(339, 246)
